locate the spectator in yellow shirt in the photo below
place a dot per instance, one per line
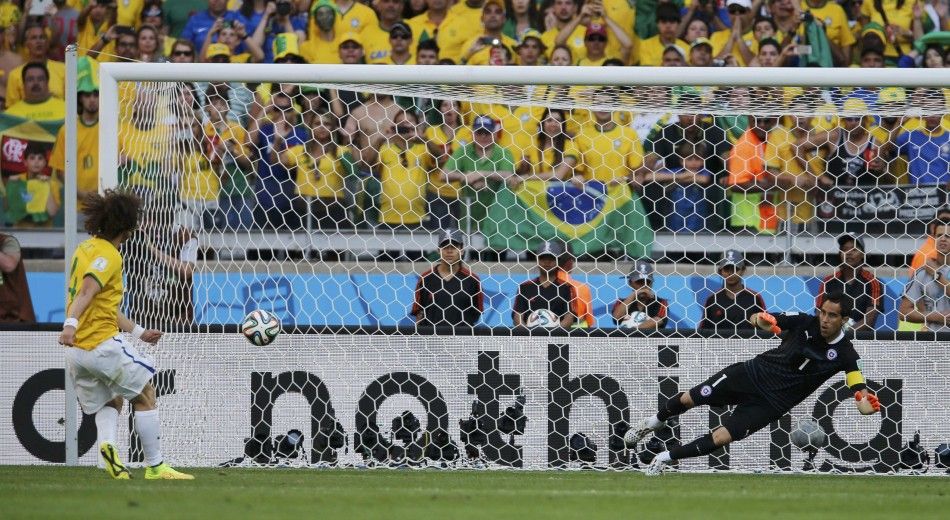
(530, 48)
(37, 48)
(479, 49)
(321, 45)
(355, 16)
(87, 135)
(426, 24)
(376, 37)
(38, 102)
(617, 42)
(95, 19)
(667, 22)
(231, 34)
(400, 39)
(462, 23)
(738, 40)
(835, 22)
(563, 12)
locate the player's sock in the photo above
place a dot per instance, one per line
(701, 446)
(149, 430)
(106, 420)
(672, 407)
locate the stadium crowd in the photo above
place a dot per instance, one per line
(285, 156)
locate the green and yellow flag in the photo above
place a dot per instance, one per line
(592, 220)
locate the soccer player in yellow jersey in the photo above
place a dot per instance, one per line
(105, 367)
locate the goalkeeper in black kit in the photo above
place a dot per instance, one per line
(768, 386)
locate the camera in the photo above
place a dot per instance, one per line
(807, 17)
(474, 430)
(513, 421)
(284, 7)
(582, 449)
(369, 444)
(406, 429)
(329, 438)
(488, 40)
(439, 446)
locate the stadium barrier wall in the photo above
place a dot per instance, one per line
(216, 390)
(370, 300)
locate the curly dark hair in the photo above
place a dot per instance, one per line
(112, 213)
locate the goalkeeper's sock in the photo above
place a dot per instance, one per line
(701, 446)
(664, 457)
(106, 419)
(672, 407)
(149, 430)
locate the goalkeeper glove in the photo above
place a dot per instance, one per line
(869, 405)
(768, 318)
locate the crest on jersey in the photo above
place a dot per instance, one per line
(832, 354)
(100, 264)
(354, 23)
(617, 143)
(705, 391)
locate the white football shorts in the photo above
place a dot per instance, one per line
(114, 368)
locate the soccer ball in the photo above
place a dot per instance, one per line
(260, 327)
(542, 318)
(807, 434)
(633, 320)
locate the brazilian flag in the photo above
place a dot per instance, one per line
(592, 219)
(17, 197)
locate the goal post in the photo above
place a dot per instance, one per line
(497, 395)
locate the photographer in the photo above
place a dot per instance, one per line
(279, 17)
(642, 299)
(200, 23)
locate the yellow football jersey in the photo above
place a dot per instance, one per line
(575, 42)
(404, 178)
(606, 155)
(57, 82)
(198, 180)
(317, 178)
(461, 24)
(376, 44)
(99, 259)
(436, 135)
(129, 12)
(651, 51)
(835, 22)
(422, 27)
(902, 17)
(358, 17)
(87, 153)
(317, 50)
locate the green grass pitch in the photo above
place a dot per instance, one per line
(57, 492)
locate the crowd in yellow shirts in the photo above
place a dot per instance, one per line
(285, 156)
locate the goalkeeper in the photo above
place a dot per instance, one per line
(767, 386)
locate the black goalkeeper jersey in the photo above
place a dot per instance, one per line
(803, 362)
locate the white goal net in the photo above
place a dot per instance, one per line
(674, 205)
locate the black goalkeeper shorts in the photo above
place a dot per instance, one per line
(732, 386)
